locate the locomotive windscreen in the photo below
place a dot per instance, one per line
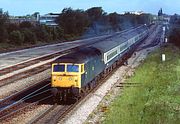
(72, 68)
(59, 68)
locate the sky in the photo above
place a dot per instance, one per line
(24, 7)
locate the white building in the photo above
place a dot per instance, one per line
(134, 12)
(48, 19)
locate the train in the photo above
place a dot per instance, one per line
(78, 72)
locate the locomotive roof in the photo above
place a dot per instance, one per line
(108, 44)
(80, 56)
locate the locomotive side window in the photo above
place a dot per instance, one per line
(59, 68)
(72, 68)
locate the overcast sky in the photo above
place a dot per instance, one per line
(23, 7)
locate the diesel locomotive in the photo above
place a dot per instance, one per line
(77, 72)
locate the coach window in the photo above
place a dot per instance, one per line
(111, 55)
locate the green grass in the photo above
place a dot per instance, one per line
(157, 100)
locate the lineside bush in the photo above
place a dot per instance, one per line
(16, 37)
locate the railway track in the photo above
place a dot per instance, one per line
(53, 114)
(24, 74)
(26, 98)
(155, 42)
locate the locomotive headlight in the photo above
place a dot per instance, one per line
(54, 78)
(76, 80)
(70, 78)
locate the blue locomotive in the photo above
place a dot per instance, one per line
(77, 72)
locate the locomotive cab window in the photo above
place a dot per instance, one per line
(72, 68)
(59, 68)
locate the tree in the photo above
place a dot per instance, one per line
(41, 33)
(114, 20)
(57, 33)
(12, 27)
(73, 22)
(4, 19)
(60, 32)
(174, 36)
(129, 20)
(29, 36)
(144, 19)
(16, 37)
(95, 13)
(25, 24)
(175, 19)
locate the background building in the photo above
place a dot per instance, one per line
(49, 19)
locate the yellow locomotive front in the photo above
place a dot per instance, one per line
(70, 75)
(66, 75)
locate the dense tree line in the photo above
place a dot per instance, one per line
(26, 32)
(72, 24)
(174, 36)
(175, 19)
(174, 33)
(76, 22)
(4, 18)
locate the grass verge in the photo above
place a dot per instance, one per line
(157, 99)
